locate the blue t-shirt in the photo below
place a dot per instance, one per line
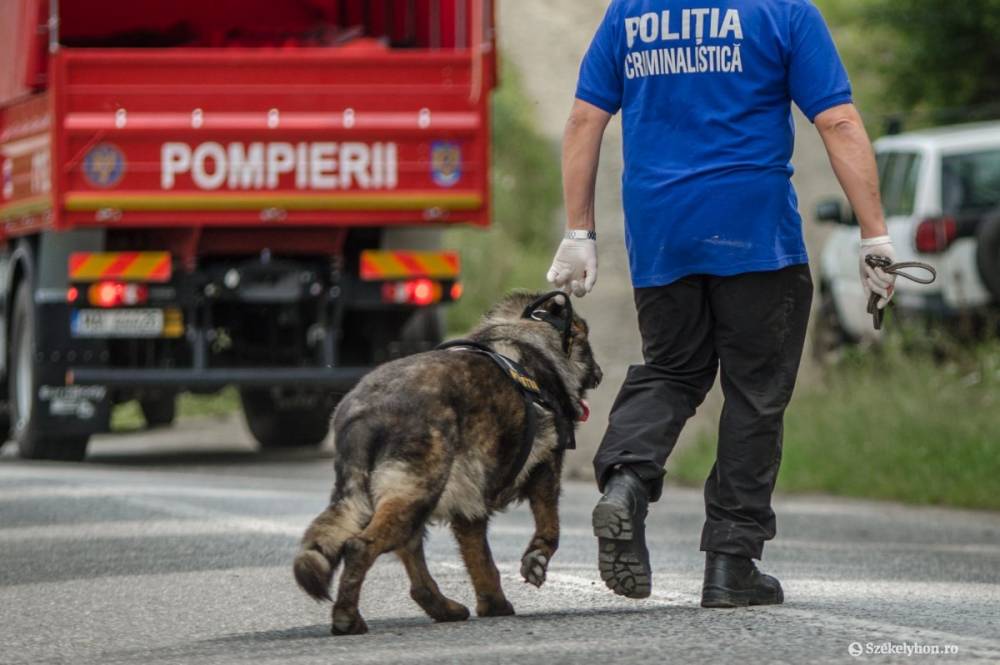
(705, 88)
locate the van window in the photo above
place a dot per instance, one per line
(970, 183)
(899, 174)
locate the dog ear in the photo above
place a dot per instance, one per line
(553, 306)
(556, 305)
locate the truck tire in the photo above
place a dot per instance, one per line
(4, 424)
(276, 426)
(23, 381)
(988, 253)
(159, 411)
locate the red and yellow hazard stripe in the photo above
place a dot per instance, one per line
(382, 265)
(129, 266)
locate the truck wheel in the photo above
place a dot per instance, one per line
(988, 253)
(23, 379)
(4, 424)
(159, 411)
(276, 425)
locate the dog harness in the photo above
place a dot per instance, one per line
(531, 392)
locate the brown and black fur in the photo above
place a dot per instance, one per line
(433, 437)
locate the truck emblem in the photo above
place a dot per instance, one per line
(446, 163)
(104, 165)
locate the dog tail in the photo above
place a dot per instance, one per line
(346, 516)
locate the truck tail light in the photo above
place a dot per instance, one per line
(935, 235)
(420, 292)
(457, 290)
(117, 294)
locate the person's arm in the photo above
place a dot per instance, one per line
(580, 156)
(574, 267)
(853, 161)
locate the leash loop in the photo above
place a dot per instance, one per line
(899, 270)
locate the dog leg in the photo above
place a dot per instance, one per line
(391, 527)
(490, 599)
(423, 589)
(543, 496)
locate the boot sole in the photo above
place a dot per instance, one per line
(612, 522)
(719, 598)
(622, 568)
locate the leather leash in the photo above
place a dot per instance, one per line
(897, 269)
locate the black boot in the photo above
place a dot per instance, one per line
(734, 581)
(619, 524)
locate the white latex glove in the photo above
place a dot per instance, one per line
(574, 268)
(876, 280)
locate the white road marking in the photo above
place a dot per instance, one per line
(154, 529)
(132, 494)
(886, 546)
(80, 492)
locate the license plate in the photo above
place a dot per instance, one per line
(117, 323)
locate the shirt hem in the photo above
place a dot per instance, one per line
(665, 279)
(603, 104)
(827, 104)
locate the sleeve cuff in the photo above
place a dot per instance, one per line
(826, 104)
(600, 102)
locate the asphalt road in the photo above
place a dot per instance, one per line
(174, 547)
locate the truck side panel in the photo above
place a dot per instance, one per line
(311, 136)
(26, 166)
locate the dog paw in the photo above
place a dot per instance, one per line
(494, 607)
(348, 623)
(452, 611)
(533, 567)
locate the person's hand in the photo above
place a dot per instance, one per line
(876, 280)
(574, 268)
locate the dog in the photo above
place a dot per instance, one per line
(453, 435)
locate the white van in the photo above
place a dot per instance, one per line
(941, 193)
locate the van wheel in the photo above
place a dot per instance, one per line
(276, 424)
(23, 382)
(988, 253)
(159, 411)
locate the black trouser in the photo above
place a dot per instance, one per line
(754, 325)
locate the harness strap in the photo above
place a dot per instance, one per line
(532, 394)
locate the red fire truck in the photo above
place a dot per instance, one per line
(231, 193)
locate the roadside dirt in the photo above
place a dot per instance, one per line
(545, 41)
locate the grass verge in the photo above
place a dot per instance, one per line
(128, 416)
(893, 423)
